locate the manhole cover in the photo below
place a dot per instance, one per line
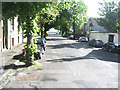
(49, 79)
(26, 77)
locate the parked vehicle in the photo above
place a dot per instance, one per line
(37, 54)
(96, 43)
(64, 35)
(41, 42)
(111, 47)
(71, 36)
(118, 48)
(83, 39)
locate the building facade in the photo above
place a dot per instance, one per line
(106, 37)
(11, 36)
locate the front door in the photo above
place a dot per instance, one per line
(12, 41)
(111, 38)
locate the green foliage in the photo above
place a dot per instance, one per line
(26, 12)
(109, 15)
(118, 21)
(69, 12)
(34, 17)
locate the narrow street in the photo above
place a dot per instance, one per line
(71, 64)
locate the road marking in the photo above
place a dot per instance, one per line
(103, 62)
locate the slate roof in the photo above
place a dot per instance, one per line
(97, 27)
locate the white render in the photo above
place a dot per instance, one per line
(13, 33)
(105, 36)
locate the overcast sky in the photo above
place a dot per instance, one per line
(92, 7)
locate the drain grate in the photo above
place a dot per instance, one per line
(26, 77)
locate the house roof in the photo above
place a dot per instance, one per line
(97, 27)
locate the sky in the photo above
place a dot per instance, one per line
(93, 7)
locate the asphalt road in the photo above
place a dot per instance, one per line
(71, 64)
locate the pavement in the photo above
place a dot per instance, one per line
(7, 63)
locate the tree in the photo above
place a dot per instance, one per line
(45, 14)
(46, 17)
(71, 14)
(63, 21)
(26, 12)
(118, 21)
(78, 12)
(109, 15)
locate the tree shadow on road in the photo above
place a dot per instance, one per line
(70, 45)
(95, 54)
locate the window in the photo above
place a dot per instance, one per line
(12, 21)
(18, 39)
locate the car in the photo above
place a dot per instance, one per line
(111, 47)
(118, 48)
(96, 43)
(83, 39)
(71, 36)
(107, 46)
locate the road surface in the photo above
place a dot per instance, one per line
(71, 64)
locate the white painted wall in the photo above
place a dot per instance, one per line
(9, 33)
(104, 37)
(13, 33)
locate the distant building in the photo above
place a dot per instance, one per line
(93, 26)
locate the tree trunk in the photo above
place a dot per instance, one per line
(66, 29)
(28, 52)
(62, 32)
(29, 42)
(42, 31)
(46, 29)
(45, 33)
(74, 28)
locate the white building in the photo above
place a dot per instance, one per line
(106, 37)
(10, 35)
